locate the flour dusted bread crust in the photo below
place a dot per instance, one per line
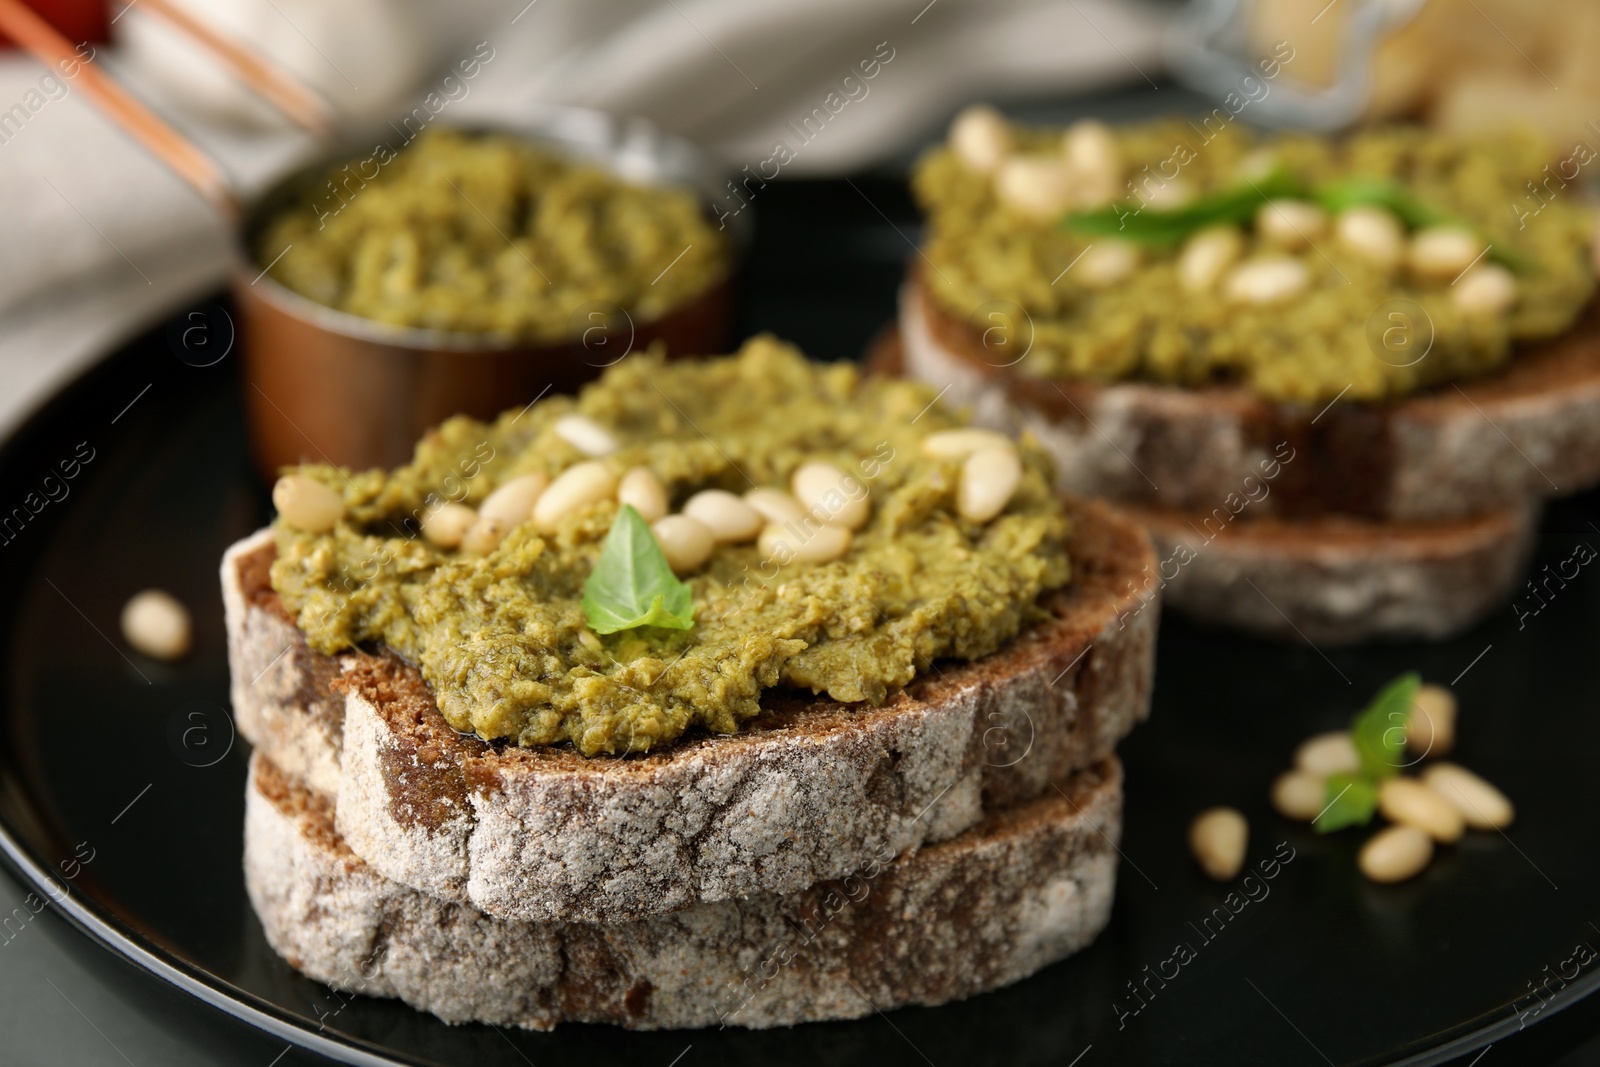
(806, 792)
(1356, 523)
(1025, 887)
(1337, 580)
(1533, 429)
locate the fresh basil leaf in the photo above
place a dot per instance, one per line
(1379, 731)
(1152, 227)
(1352, 801)
(1414, 213)
(1379, 192)
(631, 584)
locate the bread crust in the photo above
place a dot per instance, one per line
(1026, 887)
(804, 793)
(1337, 580)
(1533, 429)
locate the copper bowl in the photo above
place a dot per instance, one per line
(323, 385)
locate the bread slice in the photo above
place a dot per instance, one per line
(1024, 888)
(1335, 580)
(807, 791)
(1456, 451)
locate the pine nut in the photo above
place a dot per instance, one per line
(1408, 801)
(1206, 255)
(512, 502)
(980, 136)
(1443, 252)
(1482, 805)
(1034, 185)
(775, 505)
(1168, 195)
(1431, 730)
(307, 504)
(1329, 753)
(989, 477)
(485, 536)
(685, 542)
(1218, 838)
(730, 520)
(959, 444)
(1267, 280)
(447, 524)
(156, 624)
(1373, 234)
(820, 544)
(1093, 160)
(1105, 263)
(1487, 289)
(1290, 224)
(1299, 795)
(1395, 854)
(642, 489)
(586, 435)
(830, 495)
(576, 487)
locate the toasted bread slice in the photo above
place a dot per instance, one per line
(1457, 451)
(805, 792)
(1335, 580)
(1022, 889)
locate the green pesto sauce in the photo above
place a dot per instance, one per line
(1313, 346)
(489, 234)
(502, 638)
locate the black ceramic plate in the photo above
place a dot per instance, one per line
(121, 781)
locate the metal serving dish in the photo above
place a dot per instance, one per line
(326, 385)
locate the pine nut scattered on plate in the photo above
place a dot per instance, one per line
(1330, 753)
(1218, 838)
(1482, 805)
(1411, 803)
(1299, 795)
(1395, 854)
(1431, 729)
(157, 624)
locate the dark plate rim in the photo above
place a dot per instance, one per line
(298, 1030)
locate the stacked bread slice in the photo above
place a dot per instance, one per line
(824, 862)
(1408, 519)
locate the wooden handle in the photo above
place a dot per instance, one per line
(42, 41)
(304, 107)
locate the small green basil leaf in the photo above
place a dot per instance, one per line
(631, 584)
(1152, 227)
(1379, 732)
(1352, 801)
